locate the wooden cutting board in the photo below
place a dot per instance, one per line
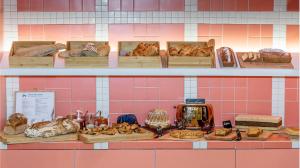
(22, 139)
(262, 64)
(168, 137)
(262, 137)
(244, 128)
(117, 137)
(229, 137)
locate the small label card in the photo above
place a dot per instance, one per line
(36, 106)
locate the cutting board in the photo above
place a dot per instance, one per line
(262, 64)
(229, 137)
(168, 137)
(117, 137)
(262, 137)
(22, 139)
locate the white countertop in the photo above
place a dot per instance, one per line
(148, 72)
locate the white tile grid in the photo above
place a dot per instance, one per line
(2, 147)
(278, 97)
(190, 87)
(279, 36)
(200, 145)
(12, 85)
(295, 143)
(102, 95)
(99, 146)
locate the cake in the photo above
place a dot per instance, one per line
(158, 118)
(223, 131)
(254, 132)
(261, 121)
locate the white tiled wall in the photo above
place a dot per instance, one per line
(102, 95)
(278, 97)
(190, 87)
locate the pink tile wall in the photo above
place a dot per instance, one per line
(139, 95)
(56, 5)
(146, 5)
(292, 101)
(2, 102)
(241, 37)
(239, 95)
(293, 5)
(59, 33)
(292, 37)
(146, 32)
(71, 93)
(235, 5)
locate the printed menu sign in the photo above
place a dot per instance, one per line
(36, 106)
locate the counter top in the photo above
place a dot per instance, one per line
(274, 142)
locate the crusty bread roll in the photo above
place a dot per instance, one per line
(39, 50)
(46, 129)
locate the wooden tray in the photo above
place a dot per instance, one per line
(189, 61)
(30, 62)
(244, 128)
(22, 139)
(262, 137)
(136, 61)
(262, 64)
(221, 63)
(85, 62)
(168, 137)
(230, 137)
(117, 137)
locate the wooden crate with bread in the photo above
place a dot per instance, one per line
(33, 54)
(86, 54)
(139, 54)
(191, 54)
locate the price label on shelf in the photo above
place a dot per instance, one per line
(36, 106)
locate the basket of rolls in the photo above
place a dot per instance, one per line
(33, 54)
(86, 54)
(139, 54)
(183, 54)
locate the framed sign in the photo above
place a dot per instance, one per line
(36, 106)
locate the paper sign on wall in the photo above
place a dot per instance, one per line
(36, 106)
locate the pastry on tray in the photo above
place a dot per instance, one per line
(57, 127)
(223, 131)
(262, 121)
(120, 128)
(254, 132)
(158, 118)
(145, 49)
(186, 134)
(292, 131)
(16, 124)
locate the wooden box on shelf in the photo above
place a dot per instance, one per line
(86, 62)
(30, 62)
(191, 61)
(137, 61)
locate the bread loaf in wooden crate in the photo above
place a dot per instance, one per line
(182, 61)
(30, 62)
(87, 61)
(145, 61)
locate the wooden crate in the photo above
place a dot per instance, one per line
(190, 61)
(136, 61)
(85, 62)
(30, 62)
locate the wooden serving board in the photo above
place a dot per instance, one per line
(262, 137)
(230, 137)
(22, 139)
(117, 137)
(244, 128)
(262, 64)
(168, 137)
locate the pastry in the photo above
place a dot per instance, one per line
(16, 124)
(223, 131)
(57, 127)
(191, 50)
(254, 132)
(39, 50)
(227, 56)
(263, 121)
(275, 55)
(186, 134)
(158, 118)
(145, 49)
(251, 57)
(292, 131)
(120, 128)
